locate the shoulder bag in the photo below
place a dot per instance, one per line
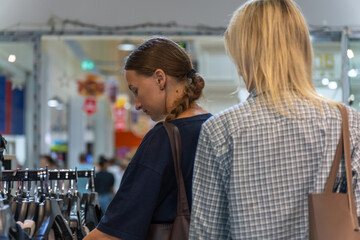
(332, 216)
(179, 229)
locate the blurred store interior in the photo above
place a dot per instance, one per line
(61, 80)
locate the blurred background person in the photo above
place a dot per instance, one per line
(83, 165)
(47, 160)
(104, 184)
(115, 169)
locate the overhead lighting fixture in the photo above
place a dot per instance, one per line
(12, 58)
(350, 53)
(325, 81)
(127, 46)
(55, 102)
(352, 73)
(333, 85)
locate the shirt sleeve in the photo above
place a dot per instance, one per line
(210, 214)
(130, 212)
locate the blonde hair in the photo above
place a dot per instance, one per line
(269, 42)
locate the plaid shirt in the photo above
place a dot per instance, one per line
(254, 170)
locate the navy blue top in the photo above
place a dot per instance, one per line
(148, 190)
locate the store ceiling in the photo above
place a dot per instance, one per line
(108, 59)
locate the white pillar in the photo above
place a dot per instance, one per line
(104, 130)
(77, 125)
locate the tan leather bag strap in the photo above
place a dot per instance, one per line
(335, 165)
(344, 146)
(175, 141)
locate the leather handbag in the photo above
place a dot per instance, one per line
(179, 229)
(333, 215)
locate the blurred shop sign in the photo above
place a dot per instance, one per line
(121, 108)
(89, 105)
(327, 64)
(92, 85)
(87, 65)
(112, 86)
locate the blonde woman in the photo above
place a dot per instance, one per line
(252, 180)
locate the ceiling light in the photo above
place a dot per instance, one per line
(127, 46)
(325, 81)
(53, 103)
(350, 53)
(352, 73)
(332, 85)
(12, 58)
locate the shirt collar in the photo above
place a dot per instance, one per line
(253, 94)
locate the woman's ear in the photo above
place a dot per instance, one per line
(160, 78)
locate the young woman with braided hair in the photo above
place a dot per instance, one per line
(165, 86)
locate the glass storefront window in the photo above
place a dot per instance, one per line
(327, 67)
(353, 54)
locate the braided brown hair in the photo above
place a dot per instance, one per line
(165, 54)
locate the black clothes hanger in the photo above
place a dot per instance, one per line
(83, 208)
(52, 216)
(6, 216)
(53, 219)
(32, 207)
(40, 214)
(3, 143)
(21, 210)
(9, 227)
(93, 212)
(24, 202)
(75, 222)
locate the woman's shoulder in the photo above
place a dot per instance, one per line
(154, 147)
(155, 132)
(227, 120)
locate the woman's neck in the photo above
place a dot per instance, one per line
(192, 111)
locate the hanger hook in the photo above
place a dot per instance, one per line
(93, 180)
(76, 180)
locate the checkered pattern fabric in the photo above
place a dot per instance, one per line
(254, 170)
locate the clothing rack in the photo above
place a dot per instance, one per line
(45, 174)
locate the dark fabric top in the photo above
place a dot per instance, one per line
(104, 181)
(148, 190)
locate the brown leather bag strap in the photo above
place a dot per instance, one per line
(335, 165)
(347, 153)
(344, 146)
(175, 141)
